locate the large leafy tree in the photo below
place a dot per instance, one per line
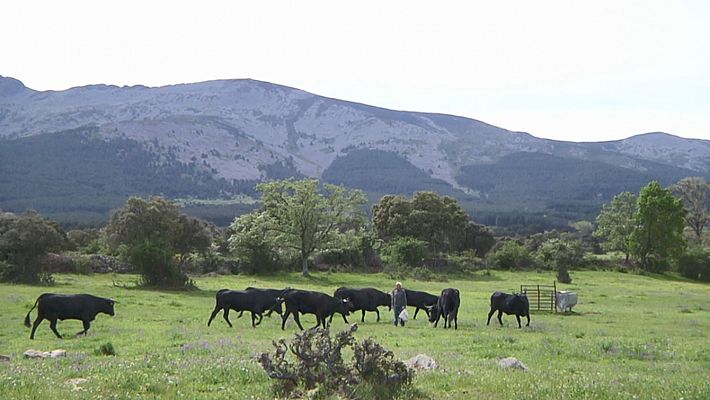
(658, 231)
(616, 222)
(24, 239)
(153, 231)
(438, 220)
(695, 193)
(305, 216)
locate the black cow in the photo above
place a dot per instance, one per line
(510, 304)
(365, 299)
(83, 307)
(447, 307)
(420, 300)
(256, 301)
(273, 295)
(308, 302)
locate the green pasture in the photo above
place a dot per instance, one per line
(630, 337)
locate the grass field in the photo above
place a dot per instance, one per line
(631, 336)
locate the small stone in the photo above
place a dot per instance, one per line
(58, 353)
(76, 383)
(4, 358)
(512, 363)
(421, 361)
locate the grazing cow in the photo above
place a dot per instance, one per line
(510, 304)
(420, 300)
(365, 299)
(83, 307)
(256, 301)
(319, 304)
(447, 307)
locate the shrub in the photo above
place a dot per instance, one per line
(154, 261)
(405, 251)
(511, 255)
(695, 264)
(319, 366)
(105, 349)
(422, 274)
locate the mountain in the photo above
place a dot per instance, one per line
(82, 151)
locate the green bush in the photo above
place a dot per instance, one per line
(154, 261)
(82, 266)
(422, 274)
(405, 251)
(511, 255)
(695, 264)
(105, 349)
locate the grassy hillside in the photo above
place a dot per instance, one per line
(630, 337)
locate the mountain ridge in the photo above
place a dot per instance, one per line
(246, 130)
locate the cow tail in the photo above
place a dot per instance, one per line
(27, 317)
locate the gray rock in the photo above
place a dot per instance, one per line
(512, 363)
(421, 362)
(4, 358)
(31, 353)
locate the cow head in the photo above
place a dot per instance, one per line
(346, 306)
(108, 307)
(433, 313)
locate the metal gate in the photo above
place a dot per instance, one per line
(541, 297)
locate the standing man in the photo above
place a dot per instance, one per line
(399, 302)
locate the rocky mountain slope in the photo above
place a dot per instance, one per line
(246, 131)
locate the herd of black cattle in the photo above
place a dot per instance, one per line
(285, 302)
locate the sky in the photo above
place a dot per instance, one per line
(567, 70)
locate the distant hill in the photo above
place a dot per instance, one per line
(76, 154)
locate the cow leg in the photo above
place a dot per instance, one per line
(253, 320)
(87, 324)
(363, 315)
(318, 321)
(284, 317)
(330, 321)
(35, 325)
(500, 315)
(490, 314)
(528, 316)
(518, 318)
(53, 326)
(378, 314)
(226, 316)
(415, 313)
(261, 317)
(456, 321)
(298, 320)
(214, 314)
(241, 312)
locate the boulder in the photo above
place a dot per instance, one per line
(512, 363)
(421, 362)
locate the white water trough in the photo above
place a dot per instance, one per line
(566, 300)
